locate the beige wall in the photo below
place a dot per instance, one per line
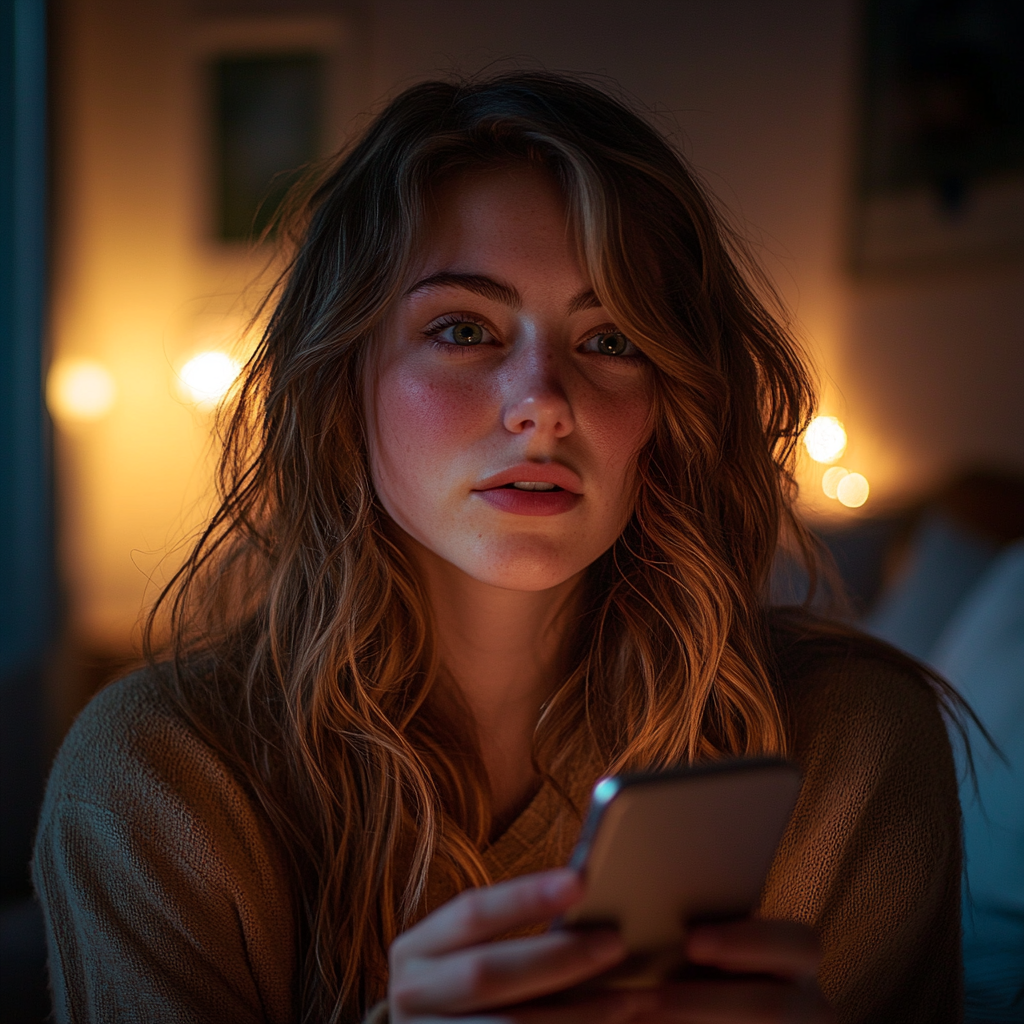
(139, 285)
(926, 374)
(123, 272)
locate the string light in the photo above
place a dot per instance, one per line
(825, 439)
(830, 481)
(853, 490)
(79, 390)
(207, 377)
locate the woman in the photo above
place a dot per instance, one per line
(501, 491)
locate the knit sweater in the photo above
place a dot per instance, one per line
(168, 900)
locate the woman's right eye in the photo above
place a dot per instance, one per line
(464, 333)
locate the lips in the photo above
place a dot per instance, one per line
(500, 492)
(539, 472)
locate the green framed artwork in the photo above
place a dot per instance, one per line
(268, 114)
(940, 181)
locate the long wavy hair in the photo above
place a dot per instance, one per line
(301, 639)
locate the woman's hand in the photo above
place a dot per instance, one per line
(784, 954)
(449, 964)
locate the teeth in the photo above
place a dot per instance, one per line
(532, 485)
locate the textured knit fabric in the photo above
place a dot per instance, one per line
(167, 901)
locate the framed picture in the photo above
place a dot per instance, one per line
(267, 126)
(940, 177)
(275, 95)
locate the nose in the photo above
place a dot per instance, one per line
(535, 399)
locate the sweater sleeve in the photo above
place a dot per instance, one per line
(164, 899)
(871, 858)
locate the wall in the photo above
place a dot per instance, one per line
(761, 97)
(140, 286)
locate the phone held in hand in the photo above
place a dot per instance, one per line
(663, 850)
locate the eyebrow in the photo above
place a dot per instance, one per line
(478, 283)
(496, 290)
(585, 299)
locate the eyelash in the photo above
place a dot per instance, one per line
(451, 319)
(612, 329)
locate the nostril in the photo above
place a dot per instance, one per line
(546, 413)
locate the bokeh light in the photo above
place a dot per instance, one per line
(825, 439)
(853, 490)
(207, 377)
(830, 480)
(79, 390)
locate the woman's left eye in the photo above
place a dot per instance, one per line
(610, 343)
(463, 333)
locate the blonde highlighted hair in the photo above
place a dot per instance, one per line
(301, 639)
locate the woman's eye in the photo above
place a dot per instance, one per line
(611, 344)
(458, 332)
(467, 333)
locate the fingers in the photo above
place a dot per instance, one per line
(477, 915)
(606, 1008)
(783, 948)
(450, 963)
(740, 1002)
(503, 973)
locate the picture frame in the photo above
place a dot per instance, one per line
(940, 171)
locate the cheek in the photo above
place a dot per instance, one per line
(422, 419)
(617, 424)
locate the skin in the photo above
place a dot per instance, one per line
(539, 398)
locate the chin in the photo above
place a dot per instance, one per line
(524, 566)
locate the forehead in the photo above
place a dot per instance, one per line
(496, 215)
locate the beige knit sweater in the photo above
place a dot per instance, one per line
(167, 900)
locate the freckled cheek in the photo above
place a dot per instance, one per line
(616, 428)
(423, 416)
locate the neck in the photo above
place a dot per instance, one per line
(504, 650)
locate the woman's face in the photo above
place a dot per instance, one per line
(505, 410)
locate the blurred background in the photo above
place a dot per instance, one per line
(872, 152)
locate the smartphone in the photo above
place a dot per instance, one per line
(663, 850)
